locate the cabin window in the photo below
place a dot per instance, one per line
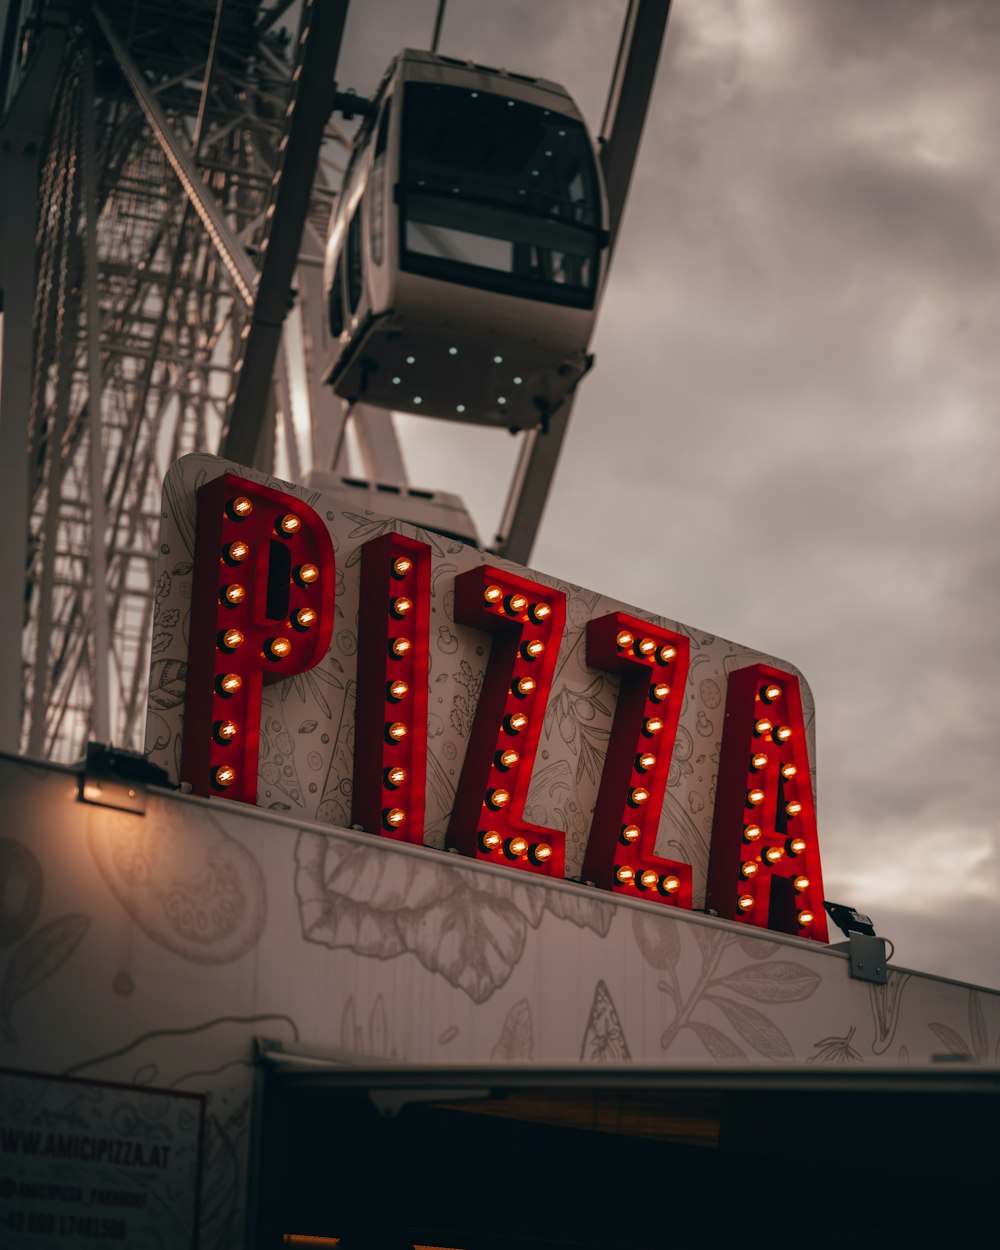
(376, 203)
(499, 194)
(336, 310)
(354, 260)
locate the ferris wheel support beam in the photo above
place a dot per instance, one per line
(624, 117)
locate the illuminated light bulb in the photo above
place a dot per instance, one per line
(751, 833)
(793, 808)
(306, 574)
(305, 617)
(805, 917)
(396, 731)
(401, 566)
(515, 847)
(231, 639)
(762, 727)
(540, 853)
(745, 902)
(624, 874)
(489, 840)
(514, 723)
(228, 684)
(288, 524)
(533, 649)
(624, 640)
(516, 603)
(277, 648)
(239, 508)
(394, 777)
(637, 796)
(770, 693)
(223, 776)
(651, 725)
(659, 692)
(645, 761)
(755, 797)
(497, 798)
(758, 762)
(647, 879)
(795, 846)
(523, 686)
(788, 771)
(782, 733)
(801, 883)
(666, 654)
(506, 759)
(749, 868)
(397, 690)
(773, 854)
(646, 646)
(393, 817)
(225, 730)
(630, 834)
(539, 612)
(233, 594)
(236, 552)
(492, 594)
(669, 884)
(400, 646)
(401, 606)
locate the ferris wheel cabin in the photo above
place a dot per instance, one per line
(467, 247)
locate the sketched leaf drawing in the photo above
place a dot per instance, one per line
(771, 983)
(604, 1039)
(308, 726)
(977, 1027)
(516, 1035)
(956, 1044)
(757, 948)
(707, 939)
(585, 913)
(167, 679)
(658, 938)
(886, 1001)
(39, 956)
(715, 1041)
(763, 1035)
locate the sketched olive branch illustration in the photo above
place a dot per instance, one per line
(572, 712)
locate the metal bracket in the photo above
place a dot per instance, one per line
(866, 958)
(118, 779)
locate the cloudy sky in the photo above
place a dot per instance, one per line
(797, 386)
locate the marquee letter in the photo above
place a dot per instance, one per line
(653, 664)
(390, 736)
(527, 622)
(764, 866)
(261, 610)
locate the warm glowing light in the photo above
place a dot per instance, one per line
(646, 646)
(652, 725)
(232, 639)
(516, 603)
(289, 524)
(224, 776)
(758, 762)
(400, 606)
(515, 722)
(497, 798)
(277, 648)
(762, 727)
(749, 868)
(745, 902)
(770, 693)
(637, 796)
(236, 552)
(659, 692)
(773, 854)
(401, 566)
(492, 594)
(751, 833)
(490, 840)
(795, 846)
(305, 617)
(233, 594)
(805, 917)
(533, 649)
(239, 508)
(801, 883)
(396, 731)
(306, 574)
(630, 833)
(225, 730)
(647, 879)
(669, 884)
(516, 847)
(229, 683)
(755, 797)
(666, 654)
(541, 852)
(524, 685)
(539, 612)
(397, 690)
(400, 646)
(645, 761)
(394, 777)
(625, 874)
(393, 817)
(624, 640)
(506, 759)
(793, 808)
(788, 771)
(782, 733)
